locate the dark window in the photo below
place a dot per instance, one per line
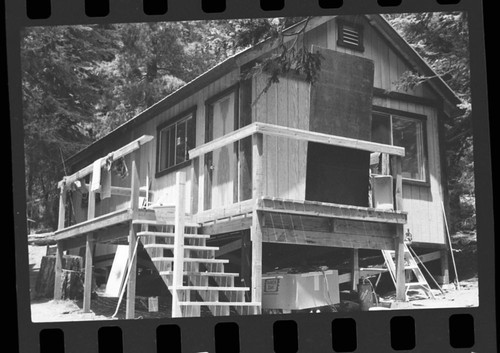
(405, 132)
(350, 36)
(174, 142)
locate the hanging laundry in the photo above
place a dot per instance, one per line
(106, 184)
(96, 175)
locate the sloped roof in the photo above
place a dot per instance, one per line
(249, 54)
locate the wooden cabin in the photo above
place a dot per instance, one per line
(349, 162)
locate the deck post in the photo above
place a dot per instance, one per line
(355, 269)
(180, 212)
(396, 166)
(59, 253)
(89, 245)
(400, 264)
(132, 261)
(398, 182)
(257, 218)
(134, 186)
(444, 278)
(132, 239)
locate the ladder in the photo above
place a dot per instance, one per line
(410, 265)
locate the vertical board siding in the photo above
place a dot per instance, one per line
(285, 104)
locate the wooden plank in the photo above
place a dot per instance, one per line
(398, 182)
(320, 209)
(325, 239)
(62, 208)
(226, 212)
(95, 224)
(178, 243)
(228, 226)
(257, 219)
(282, 119)
(123, 191)
(222, 141)
(399, 247)
(355, 269)
(227, 248)
(87, 284)
(132, 264)
(117, 273)
(89, 246)
(121, 152)
(274, 130)
(135, 185)
(444, 278)
(257, 170)
(195, 180)
(432, 256)
(58, 272)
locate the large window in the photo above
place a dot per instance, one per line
(175, 139)
(405, 132)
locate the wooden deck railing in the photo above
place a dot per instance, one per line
(257, 130)
(65, 185)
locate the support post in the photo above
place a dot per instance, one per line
(180, 212)
(132, 263)
(87, 286)
(59, 253)
(132, 239)
(396, 166)
(355, 269)
(398, 182)
(257, 218)
(445, 269)
(134, 186)
(400, 263)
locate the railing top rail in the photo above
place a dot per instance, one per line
(298, 134)
(121, 152)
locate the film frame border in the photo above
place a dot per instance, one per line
(313, 329)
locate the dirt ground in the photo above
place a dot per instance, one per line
(102, 308)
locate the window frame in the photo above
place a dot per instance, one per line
(340, 35)
(183, 116)
(390, 113)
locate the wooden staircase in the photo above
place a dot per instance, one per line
(204, 280)
(411, 266)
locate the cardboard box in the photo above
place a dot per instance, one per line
(297, 291)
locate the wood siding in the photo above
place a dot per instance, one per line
(284, 165)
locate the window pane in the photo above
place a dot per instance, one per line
(180, 154)
(407, 133)
(163, 149)
(381, 128)
(191, 135)
(171, 147)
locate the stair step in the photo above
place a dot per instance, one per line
(215, 274)
(168, 235)
(190, 259)
(211, 288)
(163, 223)
(186, 247)
(220, 303)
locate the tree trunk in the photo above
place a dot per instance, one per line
(72, 281)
